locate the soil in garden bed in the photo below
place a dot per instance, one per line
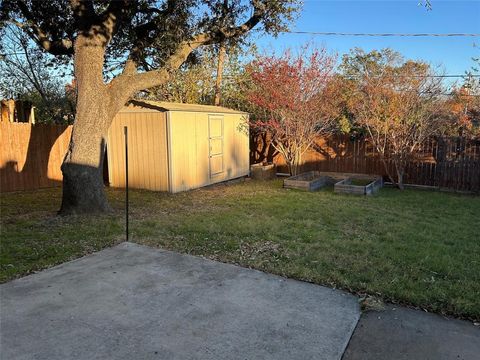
(360, 182)
(309, 176)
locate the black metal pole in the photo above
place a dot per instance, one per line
(126, 181)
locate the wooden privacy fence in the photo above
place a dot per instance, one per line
(449, 163)
(31, 155)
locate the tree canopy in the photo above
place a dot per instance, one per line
(147, 32)
(394, 100)
(27, 74)
(292, 91)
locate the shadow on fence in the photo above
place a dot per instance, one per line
(31, 155)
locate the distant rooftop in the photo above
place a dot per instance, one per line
(147, 105)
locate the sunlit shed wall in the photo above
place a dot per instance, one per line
(176, 147)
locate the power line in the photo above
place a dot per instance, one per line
(13, 53)
(451, 76)
(397, 76)
(426, 76)
(406, 76)
(461, 95)
(383, 34)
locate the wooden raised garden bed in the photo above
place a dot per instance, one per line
(309, 181)
(263, 171)
(360, 185)
(343, 182)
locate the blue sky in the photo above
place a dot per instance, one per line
(454, 54)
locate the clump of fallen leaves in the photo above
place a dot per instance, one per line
(259, 249)
(371, 303)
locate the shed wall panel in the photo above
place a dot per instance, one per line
(194, 158)
(202, 162)
(183, 150)
(229, 148)
(147, 150)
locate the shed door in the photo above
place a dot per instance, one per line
(215, 137)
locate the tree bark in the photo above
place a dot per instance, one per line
(291, 168)
(385, 165)
(218, 81)
(83, 189)
(400, 173)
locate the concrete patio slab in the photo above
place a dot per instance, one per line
(406, 334)
(134, 302)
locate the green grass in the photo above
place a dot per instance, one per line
(414, 247)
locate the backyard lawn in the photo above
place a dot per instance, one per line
(415, 247)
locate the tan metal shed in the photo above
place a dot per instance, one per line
(176, 147)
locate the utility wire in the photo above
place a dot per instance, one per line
(405, 76)
(425, 76)
(383, 34)
(451, 76)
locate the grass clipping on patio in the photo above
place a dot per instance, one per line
(414, 247)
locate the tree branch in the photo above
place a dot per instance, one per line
(131, 81)
(114, 14)
(54, 47)
(227, 33)
(82, 10)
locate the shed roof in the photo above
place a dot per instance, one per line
(152, 106)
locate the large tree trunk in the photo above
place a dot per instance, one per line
(218, 82)
(83, 189)
(97, 104)
(400, 174)
(295, 164)
(387, 170)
